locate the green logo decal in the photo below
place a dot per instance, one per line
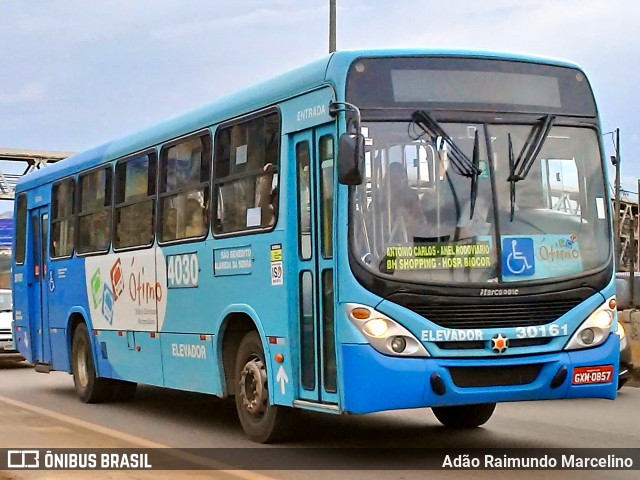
(96, 288)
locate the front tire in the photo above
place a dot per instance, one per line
(464, 416)
(89, 387)
(261, 421)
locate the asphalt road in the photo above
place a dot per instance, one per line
(188, 420)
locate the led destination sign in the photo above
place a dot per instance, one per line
(437, 256)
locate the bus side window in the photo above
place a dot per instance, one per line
(94, 216)
(21, 229)
(134, 201)
(304, 199)
(246, 174)
(184, 189)
(62, 218)
(326, 172)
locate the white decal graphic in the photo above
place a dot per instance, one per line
(553, 330)
(188, 350)
(182, 270)
(276, 273)
(127, 291)
(282, 378)
(449, 335)
(309, 113)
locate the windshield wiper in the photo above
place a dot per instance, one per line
(474, 180)
(519, 169)
(460, 162)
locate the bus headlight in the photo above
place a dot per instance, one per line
(587, 336)
(398, 344)
(384, 334)
(595, 329)
(377, 327)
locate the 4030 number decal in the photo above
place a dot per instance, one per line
(182, 271)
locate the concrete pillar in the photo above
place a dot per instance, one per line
(633, 334)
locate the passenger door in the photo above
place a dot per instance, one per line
(313, 154)
(38, 283)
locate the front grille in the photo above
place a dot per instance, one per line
(528, 342)
(495, 315)
(5, 330)
(494, 376)
(472, 345)
(480, 345)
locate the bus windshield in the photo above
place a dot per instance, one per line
(417, 218)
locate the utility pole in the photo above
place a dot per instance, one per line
(332, 26)
(616, 214)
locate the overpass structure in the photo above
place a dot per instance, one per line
(14, 163)
(629, 246)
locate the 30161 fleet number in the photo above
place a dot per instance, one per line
(552, 330)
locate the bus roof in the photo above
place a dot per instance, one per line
(331, 69)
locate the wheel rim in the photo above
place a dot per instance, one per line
(253, 387)
(82, 361)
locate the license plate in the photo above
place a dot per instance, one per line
(599, 374)
(6, 345)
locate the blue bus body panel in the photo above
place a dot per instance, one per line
(189, 363)
(133, 356)
(59, 349)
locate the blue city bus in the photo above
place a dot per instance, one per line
(376, 230)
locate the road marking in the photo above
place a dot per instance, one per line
(139, 441)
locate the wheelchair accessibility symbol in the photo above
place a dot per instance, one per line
(518, 258)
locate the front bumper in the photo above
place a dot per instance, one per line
(374, 382)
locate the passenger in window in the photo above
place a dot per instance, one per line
(267, 196)
(274, 201)
(403, 203)
(195, 215)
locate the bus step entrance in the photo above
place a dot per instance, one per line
(43, 367)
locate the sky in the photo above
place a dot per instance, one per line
(76, 74)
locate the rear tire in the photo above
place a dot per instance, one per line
(261, 421)
(464, 416)
(89, 387)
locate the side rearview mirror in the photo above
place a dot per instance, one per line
(351, 159)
